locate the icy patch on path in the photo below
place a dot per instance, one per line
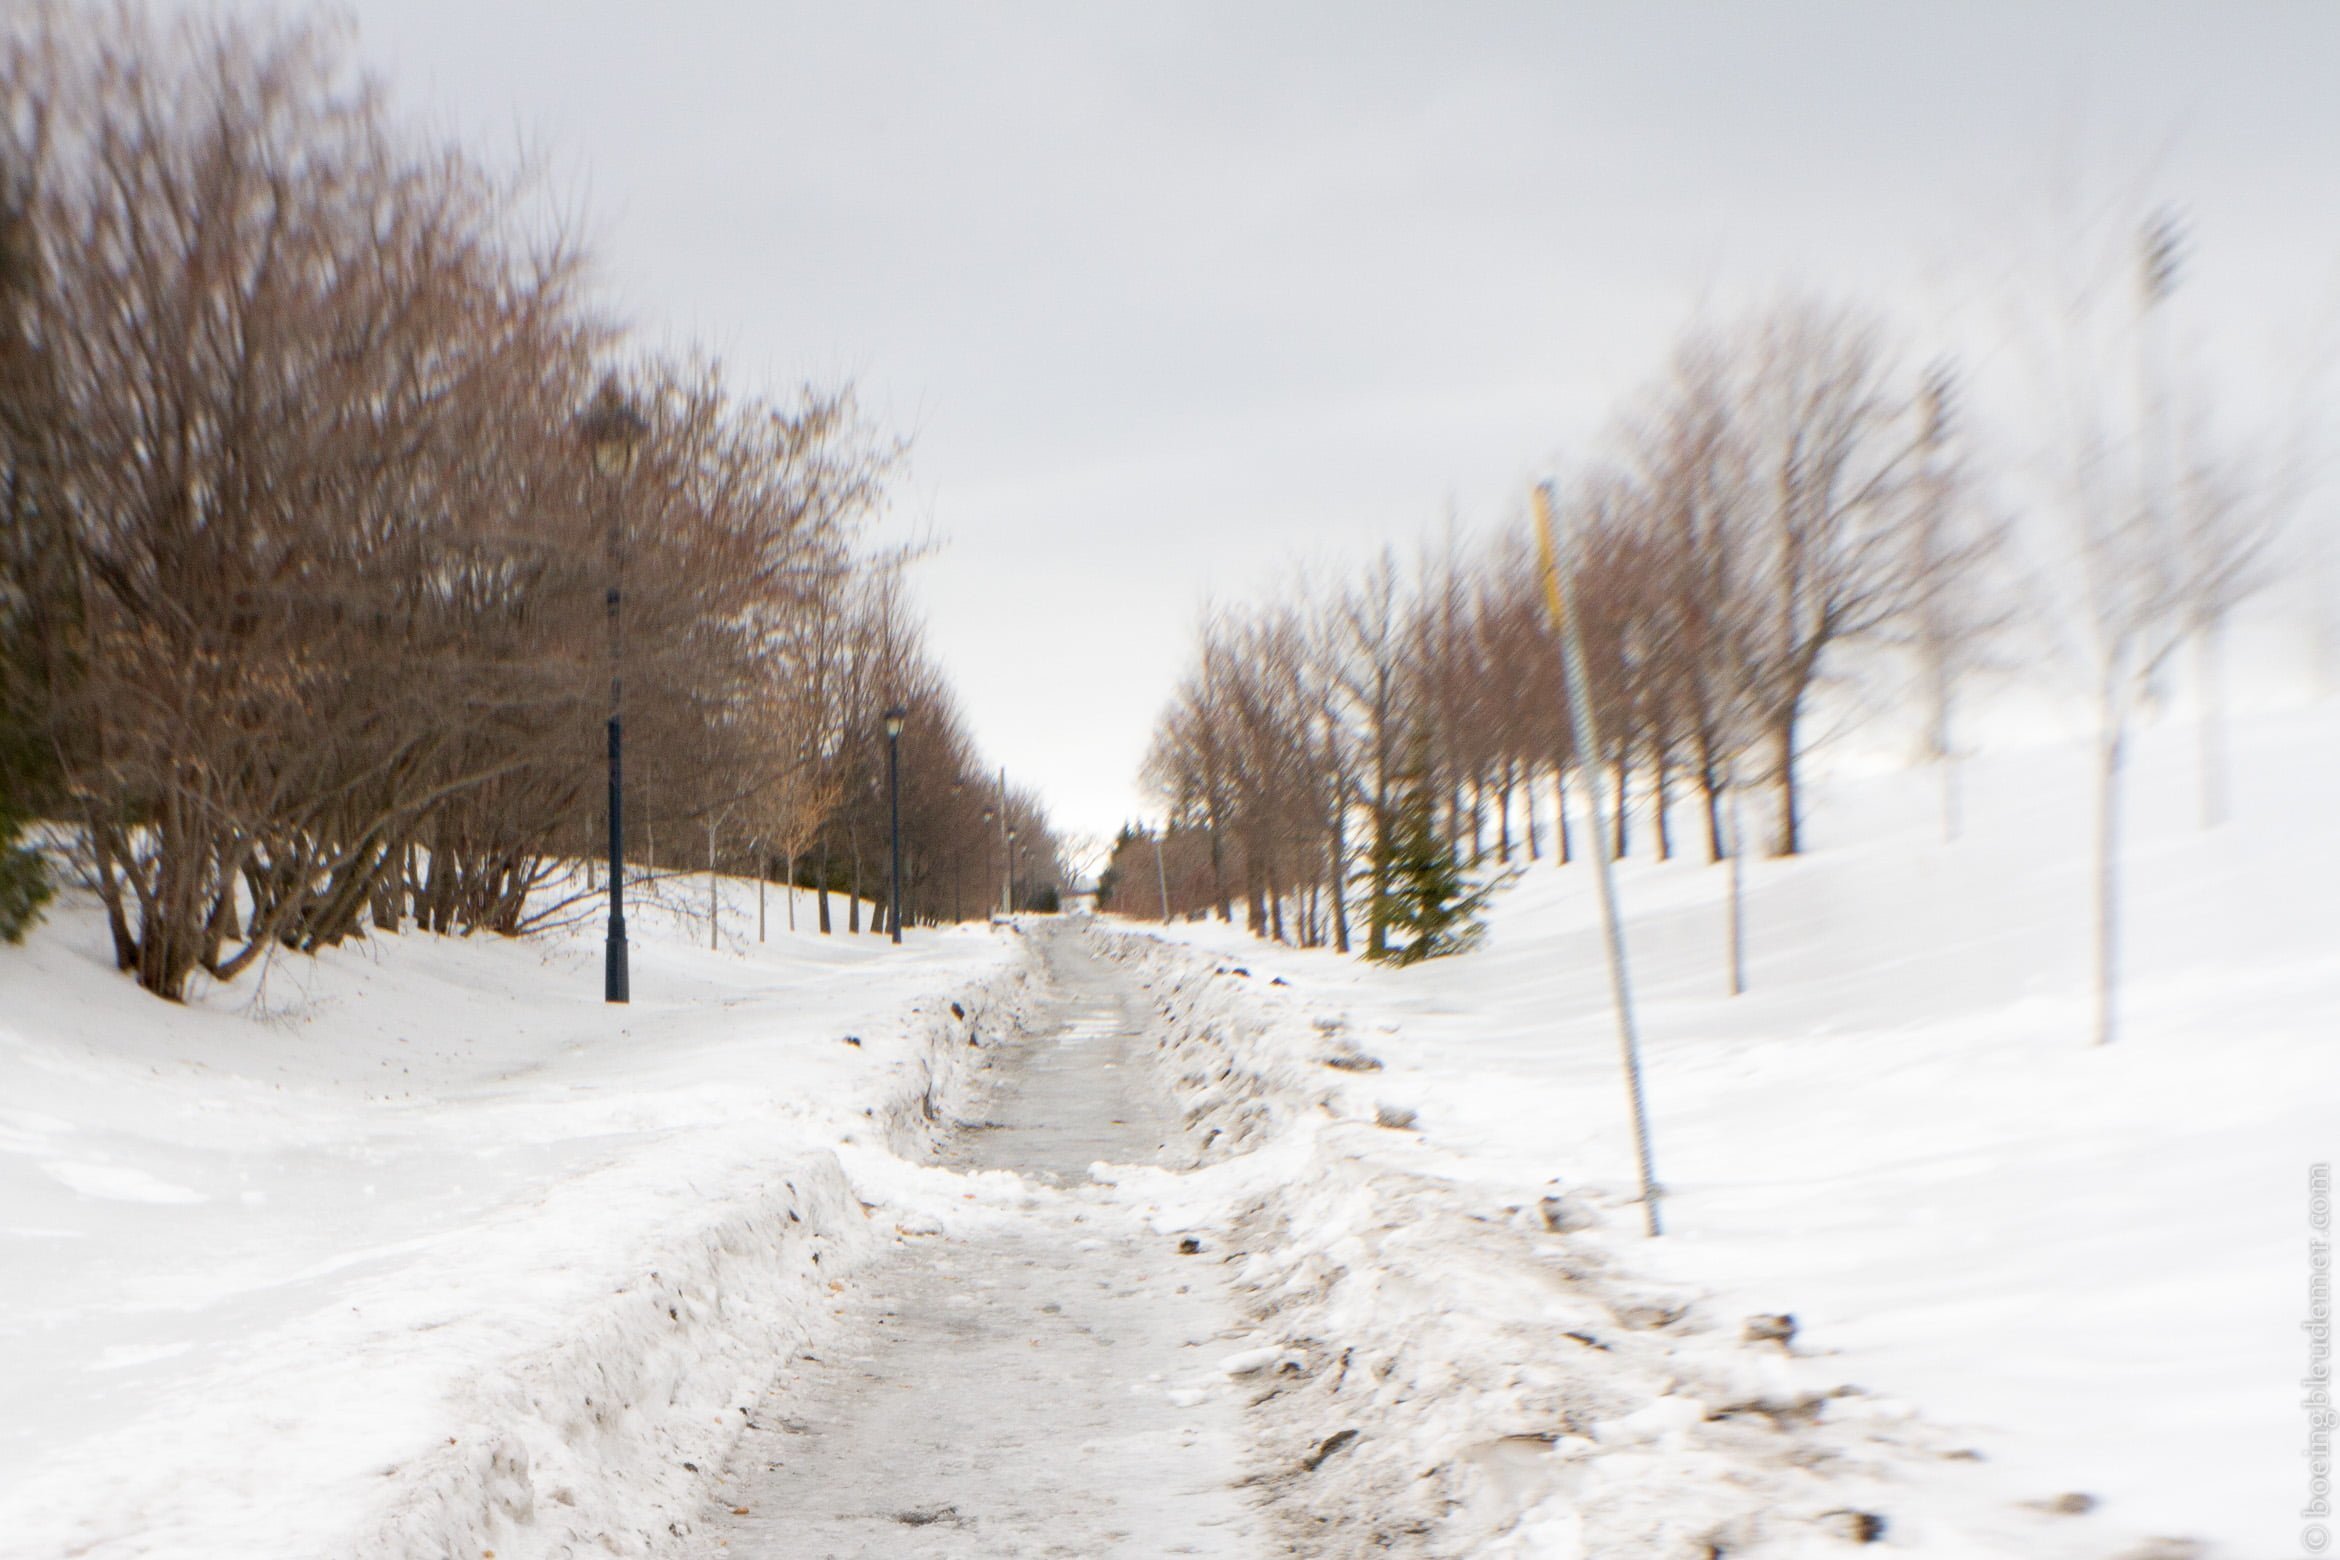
(1033, 1371)
(1042, 1389)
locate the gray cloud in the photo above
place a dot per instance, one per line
(1170, 295)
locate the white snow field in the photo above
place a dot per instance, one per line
(2050, 1270)
(418, 1249)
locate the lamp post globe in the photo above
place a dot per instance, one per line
(611, 431)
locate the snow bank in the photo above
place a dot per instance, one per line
(418, 1249)
(1440, 1374)
(2087, 1266)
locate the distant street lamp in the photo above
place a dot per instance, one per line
(1162, 877)
(958, 858)
(894, 719)
(612, 431)
(1007, 864)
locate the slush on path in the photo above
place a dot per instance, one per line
(1018, 1390)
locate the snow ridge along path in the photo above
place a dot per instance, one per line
(1034, 1370)
(457, 1257)
(1440, 1364)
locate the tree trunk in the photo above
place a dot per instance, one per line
(387, 900)
(823, 890)
(1620, 841)
(1340, 869)
(1658, 800)
(1503, 815)
(1527, 809)
(853, 888)
(1560, 822)
(1377, 909)
(1709, 784)
(2210, 673)
(1738, 901)
(1791, 818)
(1219, 891)
(102, 844)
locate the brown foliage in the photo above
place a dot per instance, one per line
(310, 568)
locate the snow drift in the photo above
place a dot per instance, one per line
(417, 1249)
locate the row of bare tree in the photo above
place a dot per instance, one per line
(1787, 499)
(1781, 490)
(310, 576)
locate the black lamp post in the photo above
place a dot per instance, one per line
(894, 719)
(1008, 890)
(612, 430)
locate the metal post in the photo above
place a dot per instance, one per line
(615, 986)
(1007, 880)
(1161, 877)
(1560, 600)
(610, 430)
(894, 804)
(1738, 890)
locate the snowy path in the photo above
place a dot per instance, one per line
(1018, 1391)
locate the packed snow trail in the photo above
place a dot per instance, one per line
(1015, 1391)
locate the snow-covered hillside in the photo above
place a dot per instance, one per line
(2090, 1266)
(418, 1248)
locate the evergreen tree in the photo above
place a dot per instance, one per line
(24, 882)
(1432, 907)
(1109, 879)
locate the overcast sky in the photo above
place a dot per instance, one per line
(1177, 299)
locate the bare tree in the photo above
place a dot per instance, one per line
(313, 568)
(1685, 451)
(1833, 453)
(2104, 464)
(1960, 614)
(267, 314)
